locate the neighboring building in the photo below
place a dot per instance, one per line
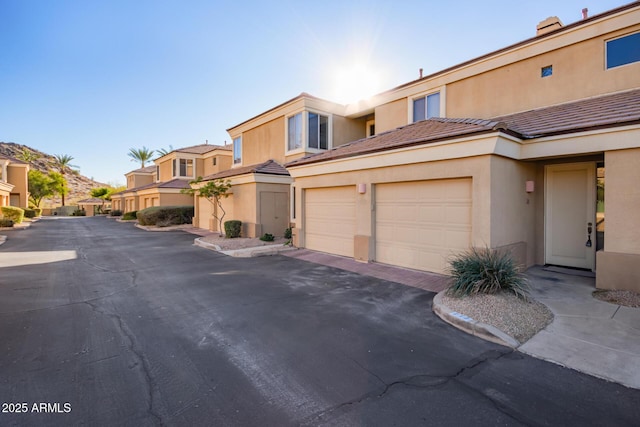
(260, 185)
(14, 182)
(93, 206)
(162, 184)
(509, 150)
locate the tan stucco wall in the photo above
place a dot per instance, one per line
(500, 91)
(622, 201)
(170, 199)
(223, 162)
(264, 142)
(391, 115)
(513, 210)
(18, 176)
(138, 180)
(166, 170)
(347, 130)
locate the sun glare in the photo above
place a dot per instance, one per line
(354, 82)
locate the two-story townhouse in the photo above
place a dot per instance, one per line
(260, 186)
(14, 182)
(509, 150)
(162, 184)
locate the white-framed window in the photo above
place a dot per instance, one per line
(370, 128)
(183, 168)
(622, 50)
(308, 130)
(157, 173)
(237, 150)
(425, 107)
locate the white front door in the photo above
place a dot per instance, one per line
(570, 233)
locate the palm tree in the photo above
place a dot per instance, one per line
(141, 155)
(27, 155)
(63, 162)
(165, 151)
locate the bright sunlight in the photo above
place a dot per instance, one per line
(354, 82)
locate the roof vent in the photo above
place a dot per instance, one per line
(552, 23)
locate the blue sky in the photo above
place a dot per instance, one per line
(94, 78)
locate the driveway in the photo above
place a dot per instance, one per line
(112, 325)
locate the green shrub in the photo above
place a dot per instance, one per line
(79, 212)
(267, 237)
(129, 215)
(29, 213)
(38, 211)
(487, 271)
(287, 233)
(6, 222)
(164, 216)
(233, 228)
(13, 213)
(116, 212)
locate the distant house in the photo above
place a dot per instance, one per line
(513, 150)
(162, 183)
(14, 183)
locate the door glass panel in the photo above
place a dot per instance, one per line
(600, 207)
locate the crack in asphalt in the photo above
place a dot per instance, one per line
(142, 362)
(421, 381)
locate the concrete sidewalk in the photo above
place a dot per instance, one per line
(589, 335)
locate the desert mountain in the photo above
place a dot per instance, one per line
(79, 185)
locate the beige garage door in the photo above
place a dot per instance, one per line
(420, 224)
(330, 219)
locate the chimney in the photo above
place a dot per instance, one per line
(206, 141)
(585, 13)
(552, 23)
(420, 72)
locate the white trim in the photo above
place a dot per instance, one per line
(305, 132)
(174, 169)
(424, 94)
(233, 152)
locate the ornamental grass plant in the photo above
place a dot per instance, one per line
(486, 271)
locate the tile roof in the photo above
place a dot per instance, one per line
(146, 169)
(270, 167)
(201, 148)
(174, 183)
(425, 131)
(605, 111)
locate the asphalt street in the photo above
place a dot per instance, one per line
(104, 324)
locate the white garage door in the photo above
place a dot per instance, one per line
(420, 224)
(330, 219)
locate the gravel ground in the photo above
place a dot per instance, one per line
(518, 318)
(241, 242)
(626, 298)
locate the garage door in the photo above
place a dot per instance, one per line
(420, 224)
(330, 219)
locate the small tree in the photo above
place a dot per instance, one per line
(27, 155)
(214, 191)
(39, 187)
(141, 155)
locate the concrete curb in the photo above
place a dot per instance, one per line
(3, 239)
(470, 326)
(246, 252)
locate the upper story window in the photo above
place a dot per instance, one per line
(157, 173)
(426, 107)
(294, 132)
(318, 131)
(183, 168)
(623, 50)
(308, 130)
(237, 150)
